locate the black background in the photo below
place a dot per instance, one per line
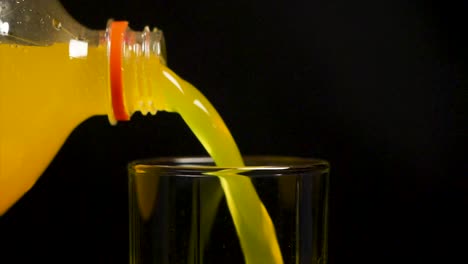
(375, 87)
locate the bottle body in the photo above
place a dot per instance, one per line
(45, 94)
(54, 74)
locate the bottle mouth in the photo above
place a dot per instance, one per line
(161, 46)
(119, 36)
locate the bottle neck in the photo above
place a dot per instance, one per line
(134, 57)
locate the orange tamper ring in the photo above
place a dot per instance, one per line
(116, 35)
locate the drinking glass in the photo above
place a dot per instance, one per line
(180, 212)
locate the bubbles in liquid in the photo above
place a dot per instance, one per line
(4, 28)
(3, 6)
(56, 24)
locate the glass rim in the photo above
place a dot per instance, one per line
(264, 164)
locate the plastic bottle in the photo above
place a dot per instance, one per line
(54, 74)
